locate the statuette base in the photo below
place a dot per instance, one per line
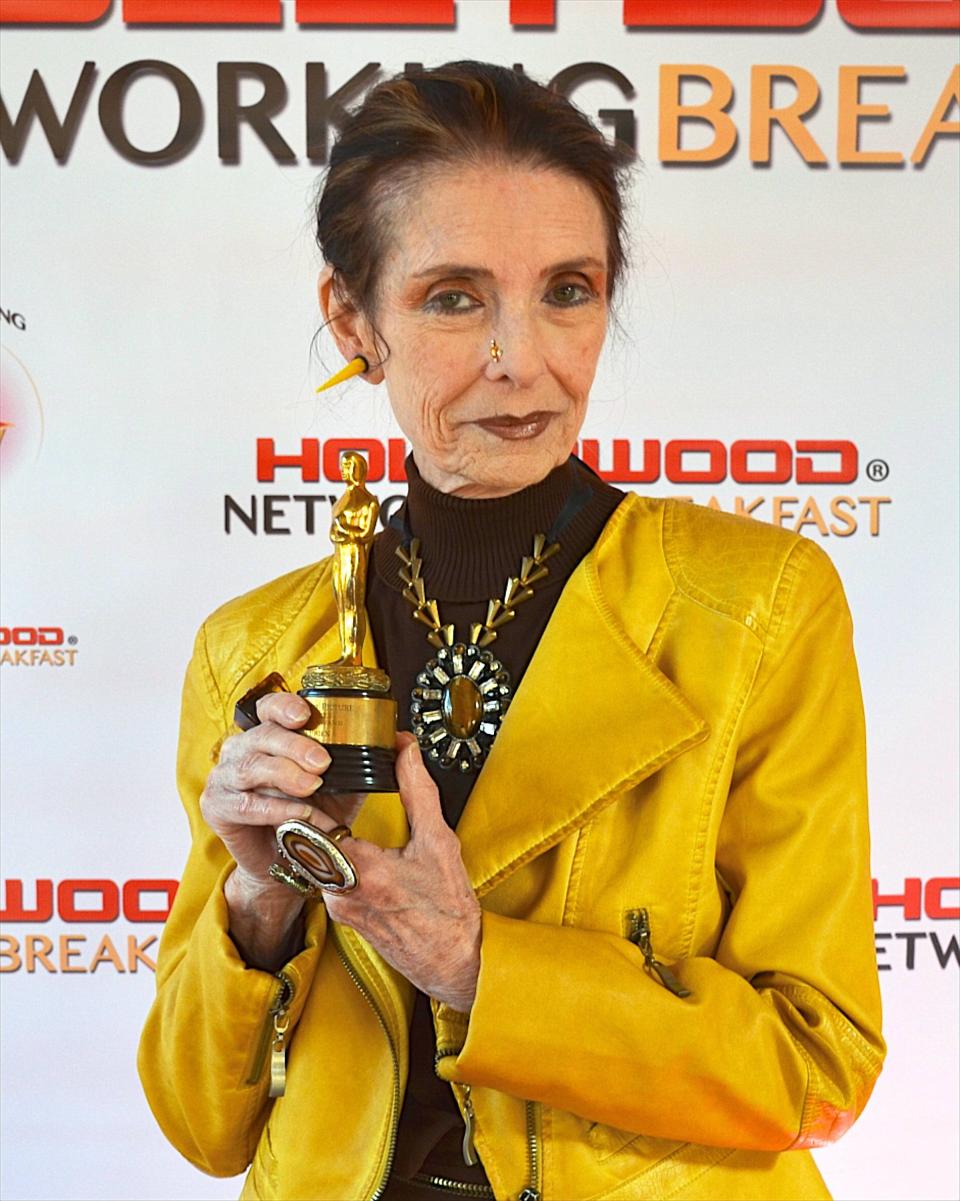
(358, 727)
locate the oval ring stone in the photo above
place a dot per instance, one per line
(462, 706)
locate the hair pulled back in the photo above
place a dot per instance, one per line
(461, 112)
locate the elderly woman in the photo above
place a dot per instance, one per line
(624, 948)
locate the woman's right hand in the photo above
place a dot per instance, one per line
(266, 776)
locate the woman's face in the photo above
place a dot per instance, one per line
(503, 253)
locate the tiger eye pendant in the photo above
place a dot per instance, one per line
(457, 705)
(462, 706)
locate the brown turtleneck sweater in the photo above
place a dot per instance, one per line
(469, 548)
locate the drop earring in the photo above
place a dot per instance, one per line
(356, 366)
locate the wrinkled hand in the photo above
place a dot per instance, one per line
(415, 905)
(266, 776)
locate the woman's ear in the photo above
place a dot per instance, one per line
(350, 330)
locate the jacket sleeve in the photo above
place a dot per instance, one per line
(202, 1051)
(779, 1045)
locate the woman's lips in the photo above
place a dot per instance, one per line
(514, 428)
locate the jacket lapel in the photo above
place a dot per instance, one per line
(593, 715)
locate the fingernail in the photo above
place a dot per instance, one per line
(318, 757)
(293, 711)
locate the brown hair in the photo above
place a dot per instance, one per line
(462, 111)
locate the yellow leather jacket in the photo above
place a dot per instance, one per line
(676, 802)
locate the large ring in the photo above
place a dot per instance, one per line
(315, 856)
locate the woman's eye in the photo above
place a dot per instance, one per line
(568, 295)
(451, 301)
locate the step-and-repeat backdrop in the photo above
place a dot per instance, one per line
(786, 349)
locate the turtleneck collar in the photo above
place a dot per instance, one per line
(470, 546)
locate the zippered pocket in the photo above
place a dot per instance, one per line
(638, 932)
(272, 1039)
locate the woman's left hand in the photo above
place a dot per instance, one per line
(415, 905)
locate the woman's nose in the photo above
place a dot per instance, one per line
(513, 352)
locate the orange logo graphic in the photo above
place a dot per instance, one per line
(21, 414)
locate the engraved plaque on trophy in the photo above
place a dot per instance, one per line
(354, 715)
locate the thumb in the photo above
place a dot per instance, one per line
(418, 792)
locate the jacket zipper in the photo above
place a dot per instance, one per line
(395, 1113)
(470, 1156)
(273, 1038)
(639, 934)
(465, 1188)
(469, 1150)
(532, 1190)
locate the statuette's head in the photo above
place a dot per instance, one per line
(468, 207)
(353, 468)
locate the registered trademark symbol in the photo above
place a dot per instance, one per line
(877, 470)
(72, 640)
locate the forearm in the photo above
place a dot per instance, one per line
(733, 1064)
(266, 920)
(204, 1049)
(202, 1054)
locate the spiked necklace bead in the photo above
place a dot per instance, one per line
(461, 695)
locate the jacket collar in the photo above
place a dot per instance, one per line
(593, 716)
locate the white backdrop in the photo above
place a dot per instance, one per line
(156, 322)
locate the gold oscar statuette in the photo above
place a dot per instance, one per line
(354, 716)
